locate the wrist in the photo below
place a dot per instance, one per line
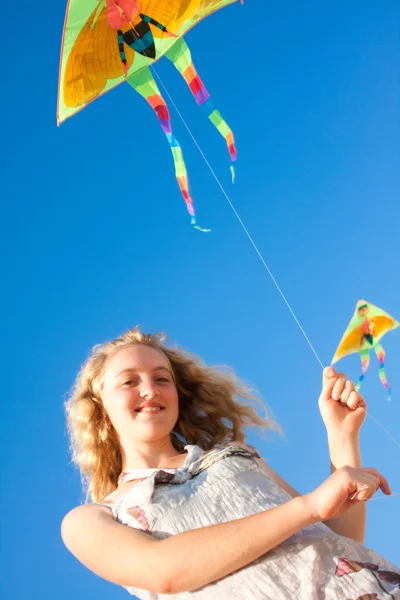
(344, 450)
(343, 438)
(306, 507)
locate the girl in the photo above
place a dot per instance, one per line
(181, 508)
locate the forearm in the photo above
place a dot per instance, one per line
(199, 557)
(185, 561)
(346, 451)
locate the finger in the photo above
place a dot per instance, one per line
(383, 483)
(329, 378)
(355, 400)
(339, 386)
(366, 487)
(385, 487)
(361, 494)
(349, 387)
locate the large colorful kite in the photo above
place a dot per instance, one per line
(106, 42)
(367, 326)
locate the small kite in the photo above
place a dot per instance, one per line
(106, 42)
(367, 326)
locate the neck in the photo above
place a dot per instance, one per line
(149, 455)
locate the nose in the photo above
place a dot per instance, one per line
(148, 388)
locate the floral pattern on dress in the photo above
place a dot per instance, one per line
(346, 566)
(140, 516)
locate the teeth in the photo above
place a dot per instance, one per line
(150, 409)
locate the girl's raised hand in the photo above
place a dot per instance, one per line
(342, 407)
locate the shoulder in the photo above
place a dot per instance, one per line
(267, 470)
(109, 549)
(246, 447)
(89, 510)
(219, 453)
(81, 517)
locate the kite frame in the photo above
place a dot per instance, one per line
(79, 109)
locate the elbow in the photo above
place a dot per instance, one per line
(166, 588)
(179, 586)
(174, 576)
(164, 580)
(164, 584)
(158, 583)
(177, 583)
(170, 585)
(169, 576)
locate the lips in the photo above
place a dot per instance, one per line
(150, 407)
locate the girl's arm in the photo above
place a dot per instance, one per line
(346, 451)
(194, 559)
(183, 562)
(343, 411)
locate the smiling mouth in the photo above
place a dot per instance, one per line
(149, 409)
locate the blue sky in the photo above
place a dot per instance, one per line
(97, 239)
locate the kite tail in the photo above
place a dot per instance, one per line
(364, 354)
(180, 56)
(144, 83)
(380, 353)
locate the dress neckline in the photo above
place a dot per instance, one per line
(132, 474)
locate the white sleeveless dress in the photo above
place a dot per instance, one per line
(226, 483)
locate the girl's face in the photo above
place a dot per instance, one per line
(140, 395)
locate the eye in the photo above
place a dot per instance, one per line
(127, 383)
(163, 379)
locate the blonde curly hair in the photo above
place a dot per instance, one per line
(210, 410)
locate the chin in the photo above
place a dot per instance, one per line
(153, 432)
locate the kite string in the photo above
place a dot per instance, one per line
(390, 436)
(383, 428)
(384, 497)
(152, 68)
(240, 220)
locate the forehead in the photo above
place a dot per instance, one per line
(138, 357)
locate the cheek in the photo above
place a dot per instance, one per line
(173, 397)
(117, 403)
(171, 400)
(176, 404)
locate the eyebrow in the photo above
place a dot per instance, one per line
(132, 370)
